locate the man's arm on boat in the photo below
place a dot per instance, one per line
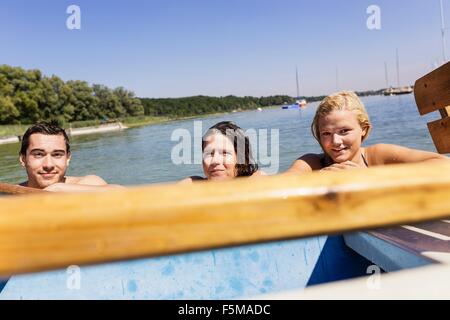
(83, 184)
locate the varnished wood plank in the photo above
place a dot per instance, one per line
(440, 133)
(432, 92)
(436, 226)
(412, 240)
(445, 112)
(40, 232)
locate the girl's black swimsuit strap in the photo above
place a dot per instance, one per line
(364, 159)
(325, 161)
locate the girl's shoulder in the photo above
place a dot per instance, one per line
(308, 162)
(376, 153)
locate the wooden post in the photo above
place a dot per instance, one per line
(432, 93)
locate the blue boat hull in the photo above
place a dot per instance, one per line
(228, 273)
(291, 107)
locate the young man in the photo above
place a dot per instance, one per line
(45, 155)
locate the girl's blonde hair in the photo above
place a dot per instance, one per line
(344, 100)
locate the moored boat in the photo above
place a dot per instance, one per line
(398, 91)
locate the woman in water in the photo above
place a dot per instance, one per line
(341, 125)
(227, 154)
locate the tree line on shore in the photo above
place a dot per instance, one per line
(197, 105)
(27, 96)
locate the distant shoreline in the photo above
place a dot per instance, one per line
(134, 122)
(12, 133)
(73, 132)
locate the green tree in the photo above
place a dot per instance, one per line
(8, 112)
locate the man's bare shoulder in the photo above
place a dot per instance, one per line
(90, 180)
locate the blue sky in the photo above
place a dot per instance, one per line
(175, 48)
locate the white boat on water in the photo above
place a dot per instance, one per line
(301, 103)
(397, 91)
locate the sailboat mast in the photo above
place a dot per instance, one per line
(443, 33)
(398, 70)
(296, 78)
(337, 79)
(386, 74)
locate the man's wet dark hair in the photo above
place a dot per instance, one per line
(47, 128)
(246, 165)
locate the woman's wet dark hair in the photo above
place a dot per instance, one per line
(246, 165)
(47, 128)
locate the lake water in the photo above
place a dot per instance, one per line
(143, 155)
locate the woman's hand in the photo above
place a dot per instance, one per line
(258, 173)
(342, 166)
